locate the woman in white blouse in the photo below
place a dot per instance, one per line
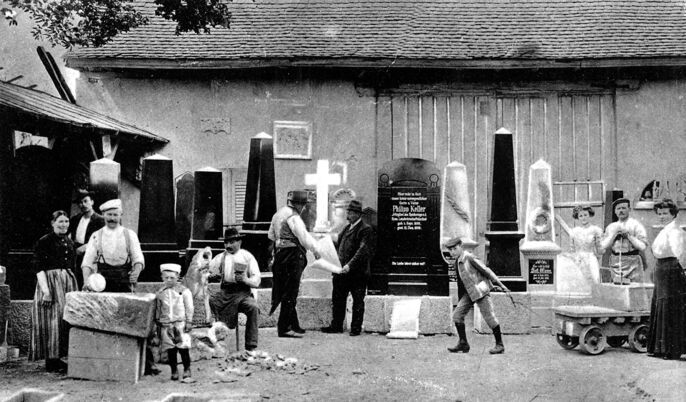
(667, 334)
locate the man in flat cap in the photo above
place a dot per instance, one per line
(83, 225)
(627, 240)
(354, 251)
(239, 274)
(291, 240)
(114, 251)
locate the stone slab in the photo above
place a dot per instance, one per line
(513, 319)
(20, 324)
(34, 395)
(316, 288)
(313, 312)
(101, 356)
(435, 314)
(632, 297)
(121, 313)
(405, 319)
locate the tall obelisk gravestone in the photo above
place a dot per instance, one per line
(185, 191)
(503, 232)
(105, 180)
(208, 217)
(156, 225)
(260, 202)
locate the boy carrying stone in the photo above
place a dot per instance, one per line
(174, 317)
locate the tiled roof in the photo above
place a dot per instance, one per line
(46, 106)
(401, 31)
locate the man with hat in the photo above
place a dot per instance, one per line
(113, 251)
(627, 239)
(83, 225)
(239, 274)
(291, 240)
(354, 251)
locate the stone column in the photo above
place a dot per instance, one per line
(456, 214)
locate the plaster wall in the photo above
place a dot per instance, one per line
(342, 121)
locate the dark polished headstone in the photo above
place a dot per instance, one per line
(156, 225)
(410, 262)
(185, 191)
(105, 180)
(503, 235)
(260, 202)
(208, 217)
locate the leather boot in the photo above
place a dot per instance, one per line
(462, 345)
(499, 347)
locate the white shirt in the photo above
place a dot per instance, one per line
(113, 247)
(241, 256)
(671, 242)
(80, 235)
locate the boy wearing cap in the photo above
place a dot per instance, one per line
(291, 240)
(475, 282)
(627, 240)
(174, 317)
(239, 274)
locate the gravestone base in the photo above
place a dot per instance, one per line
(513, 319)
(542, 316)
(156, 254)
(101, 356)
(435, 314)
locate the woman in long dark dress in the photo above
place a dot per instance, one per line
(667, 334)
(53, 261)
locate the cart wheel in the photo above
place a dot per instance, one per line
(638, 338)
(616, 341)
(567, 342)
(592, 340)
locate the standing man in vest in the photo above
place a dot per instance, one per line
(354, 251)
(82, 226)
(475, 282)
(239, 274)
(291, 240)
(114, 252)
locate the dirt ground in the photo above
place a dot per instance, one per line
(337, 367)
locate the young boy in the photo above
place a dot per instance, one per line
(475, 284)
(174, 316)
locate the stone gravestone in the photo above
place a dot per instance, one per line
(156, 224)
(185, 191)
(322, 180)
(260, 203)
(409, 260)
(503, 234)
(208, 221)
(105, 180)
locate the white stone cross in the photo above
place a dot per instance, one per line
(322, 179)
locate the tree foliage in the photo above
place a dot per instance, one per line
(95, 22)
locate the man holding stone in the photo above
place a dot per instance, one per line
(354, 252)
(239, 274)
(114, 252)
(291, 240)
(626, 239)
(82, 226)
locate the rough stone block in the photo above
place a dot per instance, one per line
(97, 355)
(632, 297)
(374, 314)
(20, 324)
(435, 314)
(314, 312)
(316, 288)
(121, 313)
(513, 319)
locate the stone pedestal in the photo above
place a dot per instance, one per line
(503, 258)
(513, 318)
(435, 314)
(102, 356)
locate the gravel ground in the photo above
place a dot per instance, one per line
(337, 367)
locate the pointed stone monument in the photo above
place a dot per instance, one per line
(185, 190)
(156, 223)
(503, 233)
(208, 219)
(105, 180)
(260, 202)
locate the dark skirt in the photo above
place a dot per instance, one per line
(667, 334)
(50, 333)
